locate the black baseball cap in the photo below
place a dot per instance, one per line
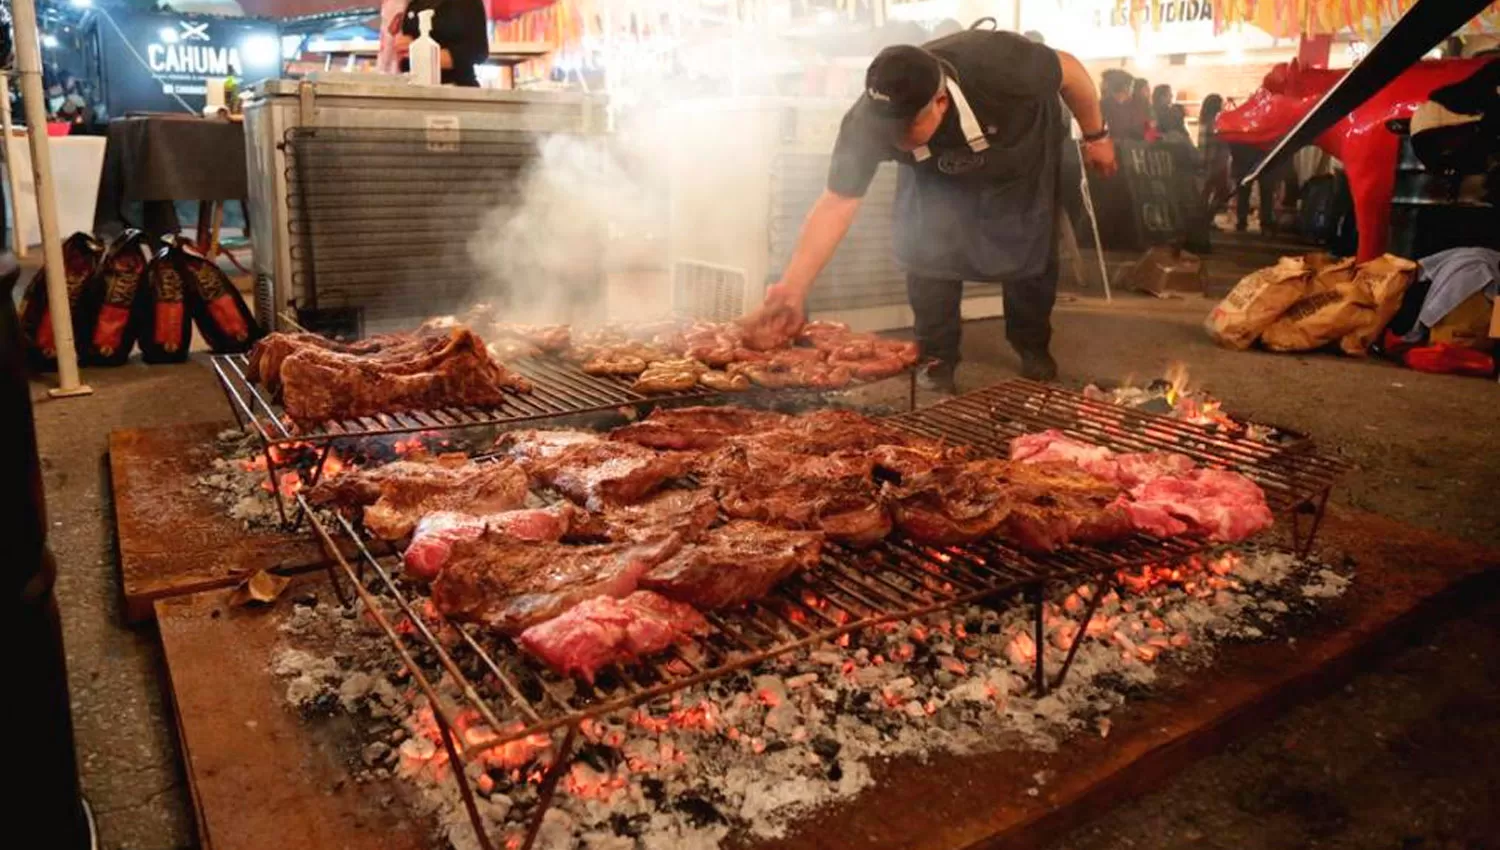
(900, 81)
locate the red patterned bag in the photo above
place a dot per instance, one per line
(123, 273)
(82, 255)
(166, 306)
(220, 313)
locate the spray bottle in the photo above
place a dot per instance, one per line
(425, 57)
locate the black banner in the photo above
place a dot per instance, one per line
(1156, 198)
(157, 62)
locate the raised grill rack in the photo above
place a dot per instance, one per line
(559, 389)
(851, 590)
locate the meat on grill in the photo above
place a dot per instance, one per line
(696, 427)
(432, 541)
(603, 631)
(1054, 446)
(480, 488)
(902, 461)
(320, 385)
(828, 431)
(686, 512)
(510, 586)
(531, 446)
(553, 339)
(949, 505)
(1215, 503)
(267, 354)
(361, 486)
(602, 474)
(735, 563)
(1056, 503)
(835, 494)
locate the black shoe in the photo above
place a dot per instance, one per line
(938, 377)
(1038, 366)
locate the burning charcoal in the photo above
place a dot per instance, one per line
(629, 827)
(655, 791)
(374, 753)
(700, 812)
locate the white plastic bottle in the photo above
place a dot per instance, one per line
(425, 57)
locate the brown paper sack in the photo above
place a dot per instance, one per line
(1319, 319)
(1257, 301)
(1384, 281)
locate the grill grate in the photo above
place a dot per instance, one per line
(1291, 474)
(851, 590)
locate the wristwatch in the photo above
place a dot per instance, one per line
(1096, 137)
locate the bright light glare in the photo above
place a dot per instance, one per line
(83, 4)
(1145, 60)
(260, 50)
(167, 35)
(49, 40)
(826, 17)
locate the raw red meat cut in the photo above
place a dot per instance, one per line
(1152, 518)
(1054, 445)
(736, 563)
(1218, 504)
(1139, 468)
(432, 541)
(511, 585)
(603, 631)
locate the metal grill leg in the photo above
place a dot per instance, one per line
(1304, 547)
(462, 778)
(317, 473)
(276, 487)
(1039, 681)
(549, 786)
(1100, 589)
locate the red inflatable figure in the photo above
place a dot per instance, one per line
(1360, 139)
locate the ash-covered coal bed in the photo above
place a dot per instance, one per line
(748, 755)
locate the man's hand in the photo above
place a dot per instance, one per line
(781, 315)
(1100, 156)
(403, 44)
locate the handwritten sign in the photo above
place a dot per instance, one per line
(1166, 204)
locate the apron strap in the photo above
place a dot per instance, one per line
(967, 123)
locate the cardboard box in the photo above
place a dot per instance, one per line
(1165, 271)
(1495, 320)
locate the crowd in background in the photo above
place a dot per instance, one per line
(1134, 111)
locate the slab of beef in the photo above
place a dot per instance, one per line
(1152, 518)
(603, 474)
(510, 586)
(267, 355)
(480, 488)
(949, 505)
(531, 446)
(835, 494)
(362, 486)
(1056, 503)
(603, 631)
(736, 563)
(1215, 503)
(696, 427)
(827, 431)
(553, 339)
(686, 512)
(1140, 468)
(320, 385)
(1054, 446)
(898, 462)
(432, 540)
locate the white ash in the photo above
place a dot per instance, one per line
(750, 754)
(239, 489)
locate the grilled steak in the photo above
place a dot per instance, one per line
(553, 339)
(511, 586)
(602, 474)
(734, 564)
(534, 447)
(480, 488)
(901, 461)
(356, 487)
(604, 631)
(949, 505)
(695, 427)
(267, 353)
(835, 494)
(319, 385)
(432, 541)
(688, 512)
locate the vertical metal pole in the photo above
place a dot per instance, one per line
(29, 63)
(13, 184)
(1088, 204)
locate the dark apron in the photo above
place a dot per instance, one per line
(979, 212)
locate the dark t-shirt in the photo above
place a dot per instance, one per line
(1010, 83)
(459, 27)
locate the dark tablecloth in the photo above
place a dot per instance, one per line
(158, 159)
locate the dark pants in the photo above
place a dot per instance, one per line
(939, 323)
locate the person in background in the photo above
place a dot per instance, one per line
(391, 13)
(1140, 108)
(460, 29)
(1217, 187)
(1114, 97)
(1171, 119)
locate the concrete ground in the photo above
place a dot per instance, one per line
(1407, 755)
